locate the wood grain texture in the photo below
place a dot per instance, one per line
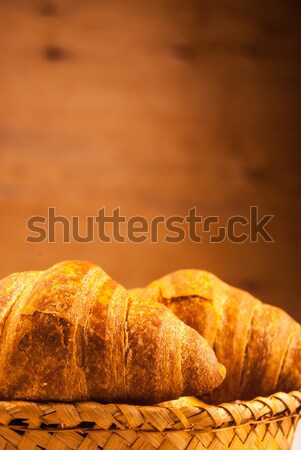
(154, 107)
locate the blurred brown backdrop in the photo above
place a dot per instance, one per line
(155, 107)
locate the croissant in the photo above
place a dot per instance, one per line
(71, 333)
(259, 344)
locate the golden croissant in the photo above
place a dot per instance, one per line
(71, 333)
(259, 344)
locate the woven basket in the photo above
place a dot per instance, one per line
(263, 423)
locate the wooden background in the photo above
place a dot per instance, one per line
(154, 107)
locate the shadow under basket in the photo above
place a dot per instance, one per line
(262, 423)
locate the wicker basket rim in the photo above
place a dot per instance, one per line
(148, 418)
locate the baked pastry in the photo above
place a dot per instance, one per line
(259, 344)
(71, 333)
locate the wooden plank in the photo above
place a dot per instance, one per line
(155, 107)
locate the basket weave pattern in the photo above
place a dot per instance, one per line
(263, 423)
